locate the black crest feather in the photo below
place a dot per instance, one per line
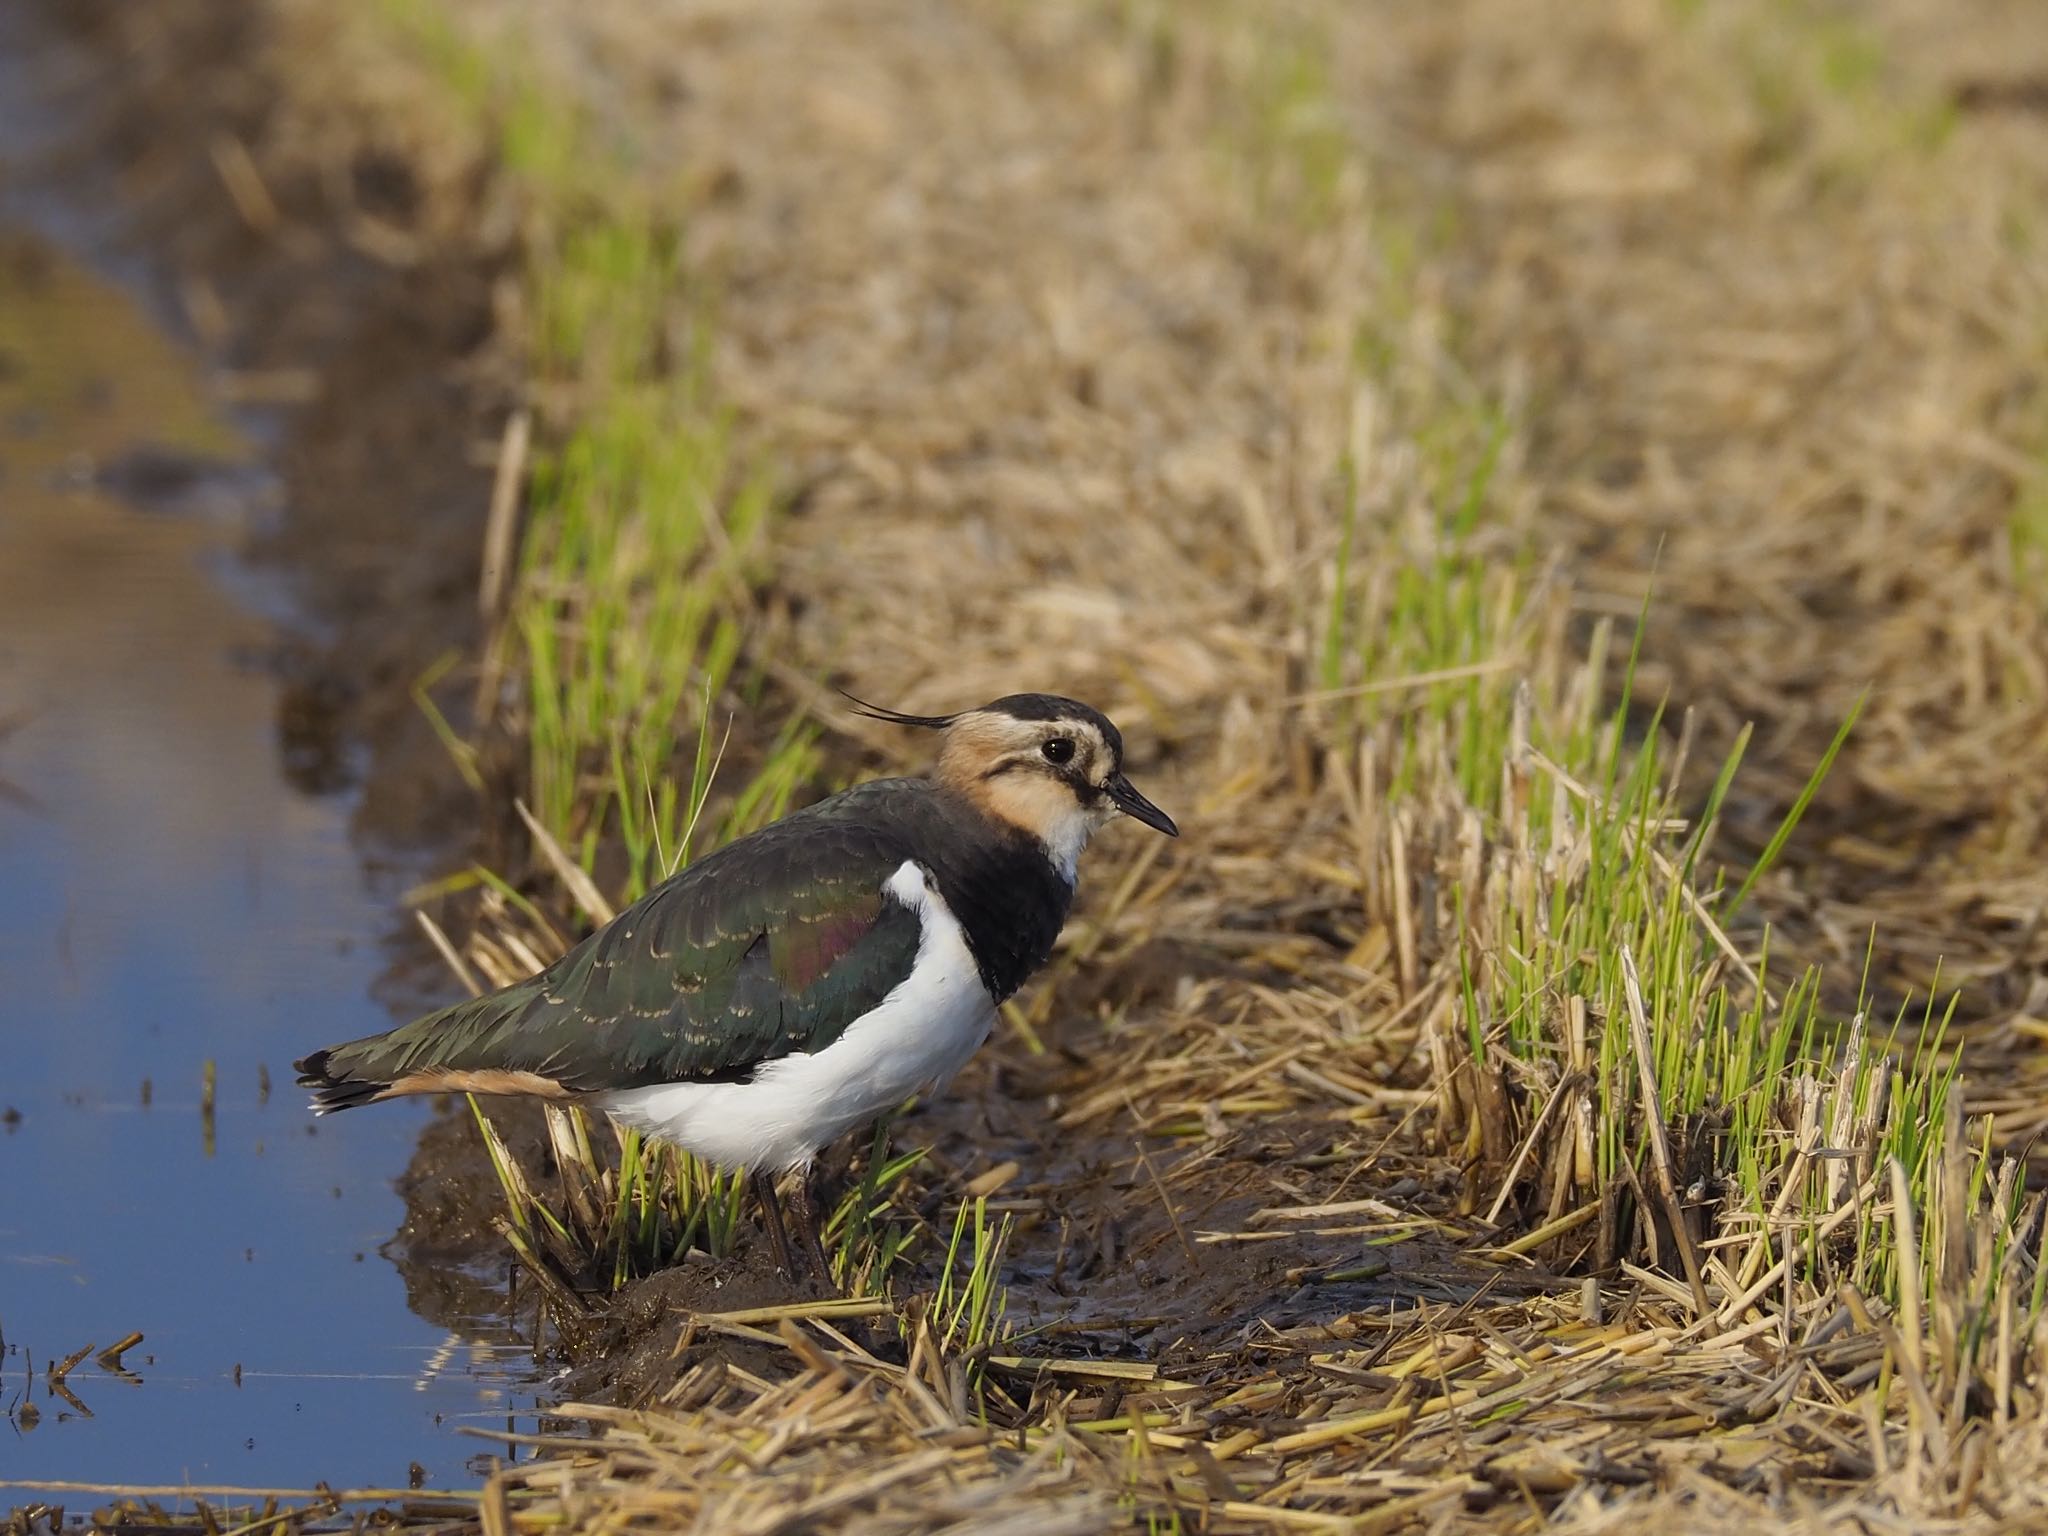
(896, 717)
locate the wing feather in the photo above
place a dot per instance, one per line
(772, 945)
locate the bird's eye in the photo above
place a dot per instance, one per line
(1059, 750)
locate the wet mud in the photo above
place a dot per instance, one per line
(1121, 1248)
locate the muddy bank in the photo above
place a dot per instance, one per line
(388, 368)
(1181, 1255)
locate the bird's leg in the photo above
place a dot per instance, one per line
(807, 1222)
(771, 1211)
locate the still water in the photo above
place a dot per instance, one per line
(169, 900)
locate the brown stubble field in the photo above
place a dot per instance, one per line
(1378, 410)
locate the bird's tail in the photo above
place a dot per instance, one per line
(463, 1047)
(335, 1084)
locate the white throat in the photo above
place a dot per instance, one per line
(1066, 836)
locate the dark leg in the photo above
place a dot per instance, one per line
(771, 1212)
(808, 1223)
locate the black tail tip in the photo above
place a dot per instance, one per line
(332, 1093)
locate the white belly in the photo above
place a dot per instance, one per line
(913, 1041)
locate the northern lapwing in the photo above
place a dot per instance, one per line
(807, 978)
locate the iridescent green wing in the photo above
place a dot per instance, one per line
(774, 950)
(772, 945)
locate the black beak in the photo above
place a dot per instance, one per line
(1125, 797)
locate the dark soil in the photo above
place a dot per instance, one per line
(1096, 1265)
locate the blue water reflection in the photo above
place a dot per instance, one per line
(168, 899)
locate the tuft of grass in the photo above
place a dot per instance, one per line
(966, 1315)
(866, 1237)
(969, 1308)
(1292, 138)
(610, 1221)
(1605, 1054)
(643, 547)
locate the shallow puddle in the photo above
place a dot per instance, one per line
(177, 921)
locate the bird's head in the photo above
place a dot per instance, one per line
(1049, 765)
